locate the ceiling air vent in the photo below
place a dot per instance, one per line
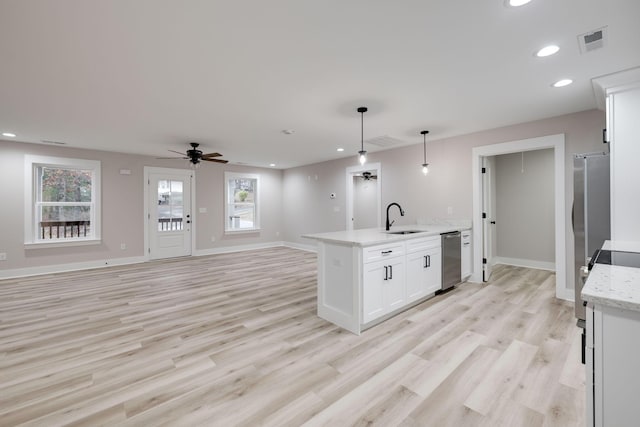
(592, 40)
(384, 141)
(48, 141)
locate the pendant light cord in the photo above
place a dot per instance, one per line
(362, 131)
(425, 147)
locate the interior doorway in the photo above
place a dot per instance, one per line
(168, 207)
(363, 196)
(557, 143)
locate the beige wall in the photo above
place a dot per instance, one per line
(122, 207)
(525, 208)
(448, 184)
(294, 202)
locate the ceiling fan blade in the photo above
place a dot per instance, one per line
(177, 152)
(212, 155)
(181, 158)
(216, 160)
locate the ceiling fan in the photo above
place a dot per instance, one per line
(195, 156)
(368, 176)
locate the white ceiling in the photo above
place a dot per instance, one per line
(148, 76)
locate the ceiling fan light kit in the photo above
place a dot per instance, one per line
(195, 156)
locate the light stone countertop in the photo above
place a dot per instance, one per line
(375, 236)
(614, 285)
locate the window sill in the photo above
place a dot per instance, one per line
(62, 243)
(246, 231)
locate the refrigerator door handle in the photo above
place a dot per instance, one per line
(573, 208)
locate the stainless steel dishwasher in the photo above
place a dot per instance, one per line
(451, 260)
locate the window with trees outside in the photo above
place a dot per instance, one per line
(64, 203)
(242, 205)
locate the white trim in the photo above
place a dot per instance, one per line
(62, 243)
(611, 83)
(528, 263)
(301, 246)
(256, 203)
(238, 248)
(104, 263)
(552, 141)
(352, 170)
(62, 268)
(30, 228)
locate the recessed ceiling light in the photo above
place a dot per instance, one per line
(340, 149)
(547, 51)
(9, 134)
(516, 3)
(272, 164)
(562, 83)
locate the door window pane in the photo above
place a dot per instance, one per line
(170, 205)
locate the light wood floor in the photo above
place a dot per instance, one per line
(233, 339)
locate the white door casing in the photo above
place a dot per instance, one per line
(349, 197)
(488, 218)
(558, 144)
(168, 212)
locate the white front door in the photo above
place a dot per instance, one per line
(169, 213)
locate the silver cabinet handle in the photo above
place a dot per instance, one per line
(386, 273)
(390, 272)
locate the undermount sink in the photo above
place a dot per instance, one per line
(405, 232)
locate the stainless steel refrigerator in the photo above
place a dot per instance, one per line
(591, 216)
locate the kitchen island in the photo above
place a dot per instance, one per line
(367, 276)
(612, 292)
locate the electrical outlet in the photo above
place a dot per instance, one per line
(450, 210)
(123, 246)
(3, 256)
(213, 238)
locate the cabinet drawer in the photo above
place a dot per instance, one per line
(422, 243)
(376, 253)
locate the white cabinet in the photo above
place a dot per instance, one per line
(383, 284)
(360, 286)
(466, 254)
(622, 92)
(424, 268)
(612, 349)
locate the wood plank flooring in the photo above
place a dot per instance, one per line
(233, 340)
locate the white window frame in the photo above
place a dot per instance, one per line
(227, 223)
(32, 237)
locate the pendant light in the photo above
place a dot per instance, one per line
(425, 165)
(362, 154)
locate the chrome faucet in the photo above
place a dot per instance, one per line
(401, 214)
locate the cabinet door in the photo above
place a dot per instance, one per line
(433, 271)
(383, 288)
(394, 288)
(466, 255)
(373, 278)
(424, 273)
(417, 276)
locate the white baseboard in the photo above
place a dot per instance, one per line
(301, 246)
(61, 268)
(517, 262)
(237, 248)
(76, 266)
